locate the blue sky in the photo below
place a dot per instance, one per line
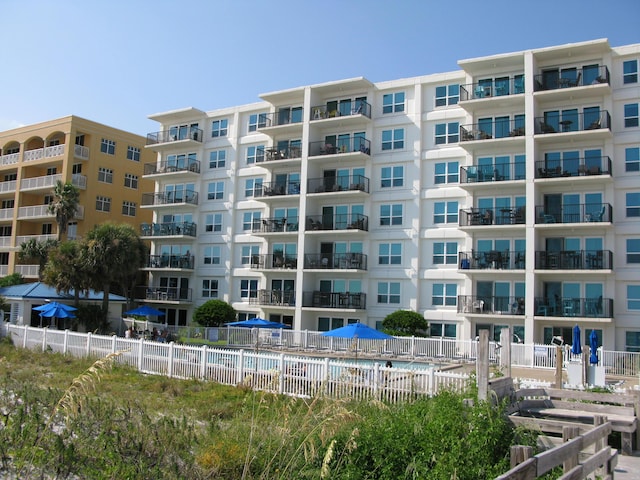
(116, 61)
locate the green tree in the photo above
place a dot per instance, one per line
(405, 323)
(66, 197)
(214, 313)
(38, 251)
(13, 279)
(66, 271)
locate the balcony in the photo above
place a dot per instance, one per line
(81, 152)
(491, 260)
(183, 262)
(172, 229)
(282, 121)
(574, 307)
(570, 121)
(9, 159)
(28, 271)
(577, 213)
(165, 166)
(487, 174)
(38, 183)
(575, 167)
(38, 212)
(6, 213)
(482, 217)
(274, 260)
(169, 198)
(574, 260)
(494, 88)
(317, 299)
(275, 225)
(163, 294)
(272, 154)
(188, 136)
(20, 239)
(347, 183)
(492, 129)
(8, 187)
(335, 261)
(359, 146)
(280, 298)
(46, 153)
(276, 189)
(347, 221)
(481, 305)
(571, 78)
(359, 108)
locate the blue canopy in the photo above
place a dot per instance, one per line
(58, 312)
(576, 347)
(257, 323)
(145, 310)
(53, 305)
(593, 344)
(357, 330)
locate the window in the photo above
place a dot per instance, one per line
(133, 153)
(631, 115)
(445, 253)
(390, 254)
(392, 176)
(249, 218)
(108, 147)
(389, 292)
(633, 250)
(393, 102)
(219, 128)
(446, 172)
(252, 186)
(447, 132)
(248, 288)
(105, 175)
(131, 181)
(247, 253)
(630, 71)
(633, 297)
(391, 214)
(444, 294)
(213, 222)
(215, 191)
(217, 158)
(445, 212)
(128, 208)
(210, 288)
(103, 204)
(256, 121)
(212, 255)
(633, 204)
(447, 330)
(447, 95)
(632, 159)
(47, 228)
(393, 139)
(255, 154)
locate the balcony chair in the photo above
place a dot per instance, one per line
(472, 174)
(575, 82)
(596, 217)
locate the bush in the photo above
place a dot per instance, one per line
(214, 313)
(405, 323)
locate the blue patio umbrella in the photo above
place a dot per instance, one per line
(593, 344)
(576, 347)
(145, 310)
(357, 330)
(58, 312)
(47, 306)
(257, 323)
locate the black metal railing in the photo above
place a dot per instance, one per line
(573, 167)
(284, 116)
(494, 88)
(284, 298)
(575, 213)
(358, 107)
(487, 305)
(168, 166)
(494, 128)
(272, 189)
(337, 261)
(338, 184)
(574, 260)
(492, 259)
(341, 145)
(168, 229)
(575, 77)
(492, 173)
(152, 293)
(169, 198)
(274, 260)
(275, 225)
(175, 135)
(320, 299)
(278, 153)
(170, 261)
(347, 221)
(563, 122)
(489, 216)
(574, 307)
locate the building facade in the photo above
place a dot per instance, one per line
(506, 193)
(106, 164)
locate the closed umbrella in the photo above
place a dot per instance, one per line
(593, 344)
(576, 347)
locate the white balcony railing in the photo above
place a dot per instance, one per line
(20, 239)
(28, 271)
(54, 151)
(9, 159)
(34, 211)
(4, 270)
(32, 155)
(5, 241)
(81, 152)
(6, 213)
(8, 186)
(35, 183)
(79, 181)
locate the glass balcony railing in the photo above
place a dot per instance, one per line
(170, 198)
(359, 107)
(175, 135)
(491, 305)
(338, 184)
(347, 221)
(275, 225)
(168, 229)
(574, 213)
(274, 260)
(573, 167)
(574, 307)
(489, 216)
(283, 298)
(341, 145)
(571, 77)
(320, 299)
(574, 260)
(166, 166)
(337, 261)
(492, 88)
(173, 294)
(492, 173)
(572, 121)
(492, 259)
(493, 128)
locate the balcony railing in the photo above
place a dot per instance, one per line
(20, 239)
(488, 305)
(171, 294)
(170, 261)
(175, 135)
(275, 225)
(285, 116)
(6, 213)
(492, 129)
(270, 154)
(168, 229)
(573, 167)
(359, 107)
(347, 221)
(319, 299)
(8, 187)
(494, 88)
(81, 152)
(338, 184)
(493, 259)
(167, 166)
(575, 77)
(487, 216)
(574, 260)
(492, 173)
(9, 159)
(274, 260)
(571, 121)
(342, 145)
(337, 261)
(282, 298)
(42, 211)
(574, 307)
(577, 213)
(272, 189)
(46, 152)
(169, 198)
(34, 183)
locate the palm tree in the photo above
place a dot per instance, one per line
(65, 270)
(33, 249)
(64, 205)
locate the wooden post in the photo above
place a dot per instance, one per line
(482, 365)
(600, 443)
(569, 433)
(558, 366)
(520, 453)
(505, 351)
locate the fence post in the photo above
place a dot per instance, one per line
(87, 349)
(140, 354)
(482, 365)
(170, 359)
(24, 337)
(376, 378)
(240, 367)
(281, 378)
(559, 367)
(325, 375)
(44, 338)
(203, 363)
(431, 382)
(113, 343)
(569, 433)
(413, 346)
(520, 453)
(65, 342)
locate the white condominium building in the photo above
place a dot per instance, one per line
(503, 194)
